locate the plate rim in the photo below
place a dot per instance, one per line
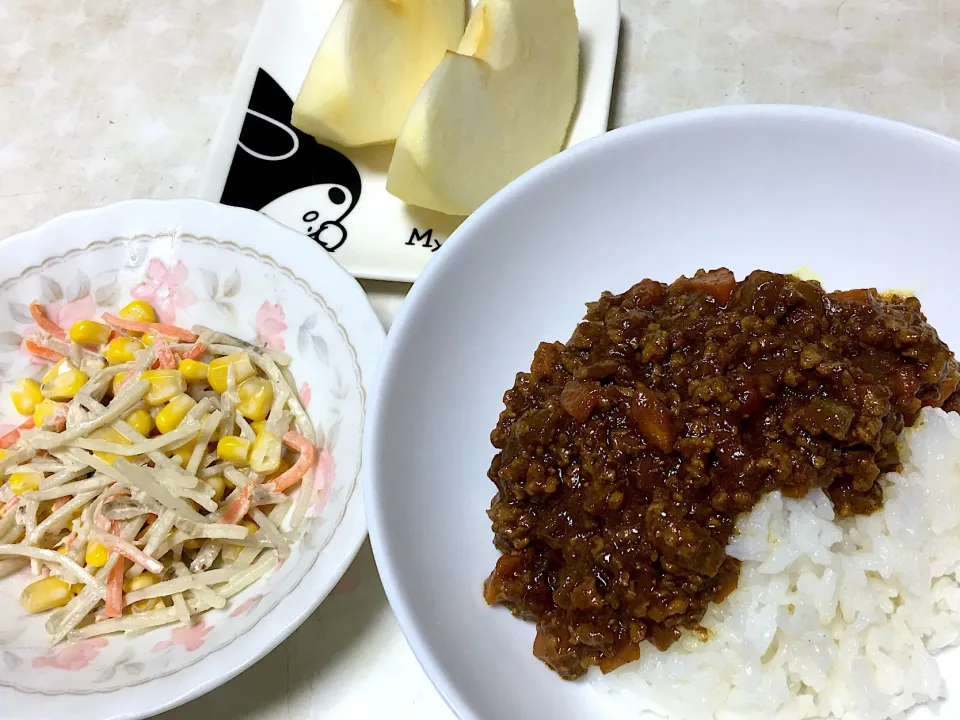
(419, 295)
(173, 216)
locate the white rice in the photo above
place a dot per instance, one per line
(830, 618)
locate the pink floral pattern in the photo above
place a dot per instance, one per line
(189, 636)
(66, 314)
(270, 322)
(325, 471)
(165, 289)
(246, 605)
(305, 394)
(74, 656)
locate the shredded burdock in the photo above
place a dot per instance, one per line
(160, 471)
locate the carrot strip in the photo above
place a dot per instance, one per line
(41, 351)
(101, 522)
(133, 554)
(171, 331)
(303, 464)
(114, 597)
(238, 508)
(43, 322)
(11, 437)
(69, 540)
(196, 351)
(9, 505)
(166, 358)
(59, 503)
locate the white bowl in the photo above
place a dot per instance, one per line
(859, 200)
(229, 269)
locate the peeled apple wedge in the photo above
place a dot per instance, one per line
(371, 64)
(491, 111)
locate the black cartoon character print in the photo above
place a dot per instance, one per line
(286, 174)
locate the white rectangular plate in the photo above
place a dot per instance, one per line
(337, 195)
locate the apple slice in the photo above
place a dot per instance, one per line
(371, 64)
(491, 111)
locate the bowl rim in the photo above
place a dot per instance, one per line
(383, 552)
(140, 217)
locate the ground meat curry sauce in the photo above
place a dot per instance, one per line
(626, 454)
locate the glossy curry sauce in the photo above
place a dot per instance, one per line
(626, 454)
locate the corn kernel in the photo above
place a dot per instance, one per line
(193, 544)
(46, 411)
(256, 397)
(144, 580)
(96, 555)
(164, 385)
(26, 395)
(109, 435)
(122, 350)
(146, 339)
(59, 367)
(138, 310)
(108, 457)
(77, 588)
(3, 453)
(233, 449)
(21, 482)
(230, 552)
(217, 372)
(141, 581)
(117, 382)
(46, 594)
(265, 452)
(144, 606)
(140, 421)
(183, 452)
(66, 385)
(258, 426)
(89, 332)
(193, 369)
(173, 413)
(219, 485)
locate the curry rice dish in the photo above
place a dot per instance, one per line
(626, 455)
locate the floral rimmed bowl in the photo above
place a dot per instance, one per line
(230, 269)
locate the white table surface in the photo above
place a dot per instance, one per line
(102, 100)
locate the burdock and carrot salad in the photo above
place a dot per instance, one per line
(155, 474)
